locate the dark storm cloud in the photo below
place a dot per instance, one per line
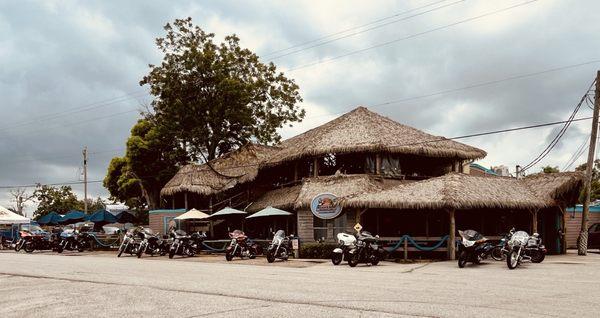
(55, 56)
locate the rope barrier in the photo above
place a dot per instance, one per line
(417, 245)
(212, 249)
(104, 244)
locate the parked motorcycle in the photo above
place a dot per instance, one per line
(69, 241)
(342, 252)
(501, 249)
(181, 245)
(240, 246)
(151, 244)
(280, 247)
(32, 237)
(525, 248)
(129, 244)
(365, 250)
(85, 241)
(473, 248)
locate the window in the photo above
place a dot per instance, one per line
(328, 229)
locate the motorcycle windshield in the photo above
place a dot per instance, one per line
(520, 237)
(280, 233)
(470, 235)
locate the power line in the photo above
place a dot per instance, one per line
(365, 30)
(75, 110)
(435, 140)
(412, 36)
(350, 29)
(559, 135)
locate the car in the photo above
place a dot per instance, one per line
(594, 236)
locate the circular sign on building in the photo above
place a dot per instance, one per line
(325, 206)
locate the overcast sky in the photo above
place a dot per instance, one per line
(69, 71)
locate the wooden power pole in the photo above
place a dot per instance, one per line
(85, 192)
(583, 233)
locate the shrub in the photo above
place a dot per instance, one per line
(316, 250)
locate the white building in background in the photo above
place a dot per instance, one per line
(501, 170)
(116, 208)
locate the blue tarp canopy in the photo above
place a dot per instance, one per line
(71, 217)
(51, 218)
(125, 217)
(101, 216)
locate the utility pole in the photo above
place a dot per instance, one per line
(85, 200)
(583, 233)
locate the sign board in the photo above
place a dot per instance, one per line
(295, 244)
(358, 227)
(325, 206)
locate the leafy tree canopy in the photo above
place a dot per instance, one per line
(61, 200)
(550, 169)
(215, 97)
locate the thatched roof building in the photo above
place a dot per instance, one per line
(362, 130)
(462, 191)
(237, 167)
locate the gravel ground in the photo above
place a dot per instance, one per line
(100, 285)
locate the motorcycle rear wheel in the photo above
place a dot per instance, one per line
(497, 254)
(538, 257)
(512, 260)
(462, 259)
(336, 258)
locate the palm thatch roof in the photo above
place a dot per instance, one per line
(220, 174)
(282, 198)
(300, 196)
(362, 130)
(461, 191)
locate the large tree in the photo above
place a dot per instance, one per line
(61, 200)
(151, 159)
(216, 97)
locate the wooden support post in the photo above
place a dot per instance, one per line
(452, 237)
(405, 249)
(210, 205)
(563, 233)
(534, 226)
(173, 202)
(316, 167)
(377, 164)
(185, 198)
(296, 171)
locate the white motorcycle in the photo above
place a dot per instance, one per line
(523, 247)
(341, 253)
(280, 247)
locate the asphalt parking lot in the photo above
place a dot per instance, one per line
(100, 285)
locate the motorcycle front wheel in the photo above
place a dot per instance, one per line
(270, 257)
(353, 261)
(336, 258)
(228, 257)
(512, 261)
(462, 259)
(172, 252)
(140, 251)
(121, 249)
(29, 248)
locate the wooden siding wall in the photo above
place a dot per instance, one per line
(305, 226)
(156, 221)
(574, 226)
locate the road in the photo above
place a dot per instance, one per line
(100, 285)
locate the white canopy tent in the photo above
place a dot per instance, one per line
(9, 217)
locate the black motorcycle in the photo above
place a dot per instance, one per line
(365, 250)
(182, 244)
(280, 247)
(129, 244)
(85, 241)
(151, 244)
(473, 248)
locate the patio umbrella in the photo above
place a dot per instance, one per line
(101, 217)
(227, 212)
(51, 218)
(9, 217)
(125, 217)
(269, 211)
(193, 214)
(71, 217)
